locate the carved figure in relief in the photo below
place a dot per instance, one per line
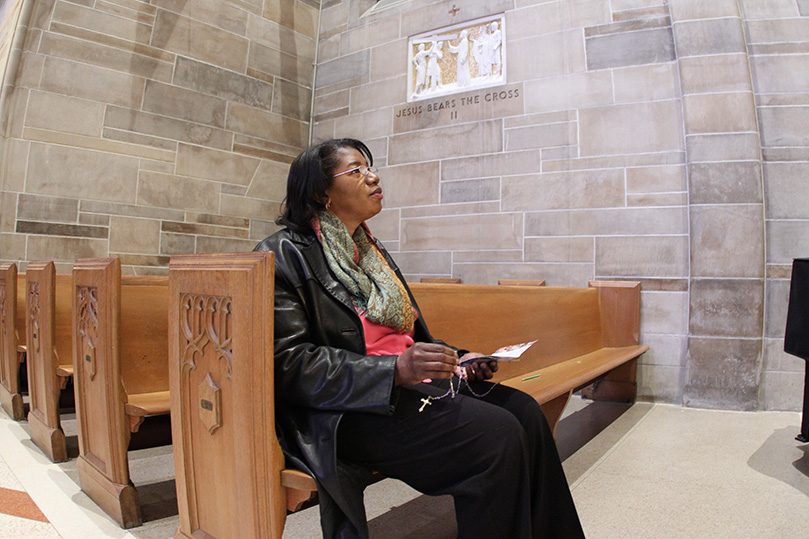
(482, 51)
(462, 50)
(436, 53)
(420, 60)
(496, 40)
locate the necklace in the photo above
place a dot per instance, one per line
(452, 391)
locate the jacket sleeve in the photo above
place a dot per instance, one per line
(319, 359)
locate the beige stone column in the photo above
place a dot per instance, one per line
(726, 206)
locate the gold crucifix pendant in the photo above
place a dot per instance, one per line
(426, 401)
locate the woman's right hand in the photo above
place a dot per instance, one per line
(424, 361)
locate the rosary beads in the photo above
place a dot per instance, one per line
(452, 391)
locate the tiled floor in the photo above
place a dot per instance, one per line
(654, 471)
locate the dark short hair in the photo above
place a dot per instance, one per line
(310, 175)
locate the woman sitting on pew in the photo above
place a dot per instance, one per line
(362, 386)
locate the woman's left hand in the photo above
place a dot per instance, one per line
(478, 370)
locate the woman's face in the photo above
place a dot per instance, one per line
(354, 197)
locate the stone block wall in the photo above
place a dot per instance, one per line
(143, 129)
(652, 140)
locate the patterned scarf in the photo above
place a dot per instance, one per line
(362, 269)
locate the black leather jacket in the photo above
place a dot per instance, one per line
(321, 371)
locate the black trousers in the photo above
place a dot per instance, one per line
(495, 455)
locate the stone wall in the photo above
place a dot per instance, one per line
(143, 129)
(625, 145)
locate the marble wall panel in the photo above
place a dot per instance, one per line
(592, 222)
(560, 249)
(727, 307)
(215, 165)
(417, 20)
(14, 165)
(177, 244)
(470, 190)
(345, 68)
(220, 14)
(665, 349)
(635, 128)
(12, 247)
(540, 64)
(200, 41)
(782, 391)
(270, 181)
(64, 248)
(252, 208)
(297, 15)
(727, 241)
(265, 62)
(368, 125)
(569, 92)
(410, 185)
(723, 147)
(177, 192)
(90, 82)
(660, 383)
(544, 18)
(493, 231)
(483, 166)
(134, 61)
(725, 183)
(777, 30)
(59, 170)
(652, 46)
(657, 179)
(565, 190)
(368, 35)
(176, 102)
(140, 236)
(664, 312)
(646, 83)
(468, 139)
(426, 262)
(207, 244)
(787, 188)
(387, 60)
(715, 73)
(374, 95)
(104, 23)
(292, 100)
(221, 83)
(541, 136)
(711, 36)
(169, 128)
(780, 73)
(776, 306)
(649, 256)
(554, 274)
(45, 208)
(723, 373)
(784, 126)
(257, 123)
(131, 210)
(787, 240)
(684, 10)
(333, 17)
(720, 113)
(385, 227)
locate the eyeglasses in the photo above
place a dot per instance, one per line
(362, 169)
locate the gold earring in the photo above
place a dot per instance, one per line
(328, 205)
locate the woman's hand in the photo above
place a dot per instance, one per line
(478, 370)
(424, 361)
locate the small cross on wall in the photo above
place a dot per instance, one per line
(454, 10)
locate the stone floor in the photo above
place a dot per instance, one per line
(649, 471)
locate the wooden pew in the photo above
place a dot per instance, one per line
(583, 335)
(229, 467)
(12, 339)
(444, 280)
(120, 362)
(521, 282)
(49, 325)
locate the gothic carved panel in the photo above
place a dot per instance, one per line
(206, 320)
(88, 327)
